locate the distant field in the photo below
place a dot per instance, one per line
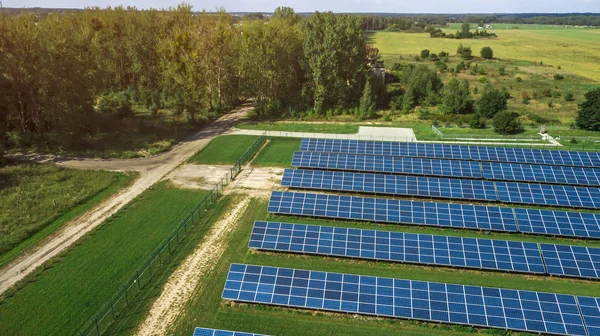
(575, 50)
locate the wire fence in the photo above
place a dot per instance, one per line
(118, 304)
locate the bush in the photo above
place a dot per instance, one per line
(425, 53)
(501, 71)
(519, 79)
(487, 53)
(423, 113)
(464, 52)
(115, 103)
(558, 77)
(456, 98)
(443, 54)
(573, 141)
(491, 102)
(477, 121)
(482, 79)
(550, 104)
(588, 115)
(525, 97)
(507, 123)
(569, 97)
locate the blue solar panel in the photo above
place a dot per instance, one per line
(387, 164)
(393, 211)
(574, 261)
(545, 222)
(545, 194)
(590, 310)
(542, 174)
(390, 184)
(444, 151)
(215, 332)
(406, 299)
(398, 247)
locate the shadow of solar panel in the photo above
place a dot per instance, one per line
(405, 299)
(216, 332)
(464, 216)
(390, 184)
(445, 151)
(572, 261)
(506, 192)
(387, 164)
(541, 174)
(425, 249)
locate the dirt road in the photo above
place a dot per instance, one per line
(151, 171)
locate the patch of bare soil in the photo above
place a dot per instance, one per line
(193, 176)
(185, 281)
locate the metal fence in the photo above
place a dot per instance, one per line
(437, 131)
(118, 304)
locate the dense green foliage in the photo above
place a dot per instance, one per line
(491, 101)
(464, 52)
(507, 123)
(456, 98)
(487, 53)
(588, 115)
(421, 85)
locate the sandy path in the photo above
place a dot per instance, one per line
(182, 284)
(151, 171)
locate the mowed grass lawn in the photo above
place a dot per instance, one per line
(63, 297)
(314, 127)
(225, 149)
(209, 310)
(38, 199)
(575, 50)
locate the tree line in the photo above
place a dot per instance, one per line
(59, 71)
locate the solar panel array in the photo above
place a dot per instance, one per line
(406, 299)
(590, 310)
(398, 247)
(449, 168)
(466, 216)
(575, 261)
(216, 332)
(461, 152)
(506, 192)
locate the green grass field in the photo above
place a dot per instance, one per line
(67, 293)
(39, 199)
(337, 128)
(277, 153)
(207, 309)
(225, 149)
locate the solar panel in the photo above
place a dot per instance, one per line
(590, 310)
(445, 151)
(449, 168)
(215, 332)
(407, 299)
(465, 216)
(390, 184)
(574, 261)
(542, 174)
(506, 192)
(387, 164)
(398, 247)
(393, 211)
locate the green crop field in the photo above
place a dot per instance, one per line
(66, 294)
(209, 310)
(39, 199)
(575, 50)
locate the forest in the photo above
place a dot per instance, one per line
(64, 74)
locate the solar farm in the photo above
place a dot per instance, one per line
(522, 195)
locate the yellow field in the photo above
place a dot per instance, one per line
(575, 50)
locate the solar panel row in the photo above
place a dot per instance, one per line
(558, 260)
(407, 299)
(505, 192)
(466, 216)
(398, 247)
(445, 151)
(449, 168)
(216, 332)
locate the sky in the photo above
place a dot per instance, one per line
(379, 6)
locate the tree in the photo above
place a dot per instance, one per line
(588, 115)
(456, 98)
(465, 30)
(425, 53)
(367, 101)
(464, 52)
(477, 121)
(507, 123)
(421, 83)
(487, 53)
(491, 101)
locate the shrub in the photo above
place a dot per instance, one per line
(519, 79)
(507, 123)
(487, 53)
(525, 97)
(425, 53)
(464, 52)
(569, 97)
(558, 76)
(588, 115)
(501, 71)
(550, 104)
(443, 54)
(423, 113)
(477, 121)
(482, 79)
(115, 103)
(456, 98)
(491, 102)
(573, 141)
